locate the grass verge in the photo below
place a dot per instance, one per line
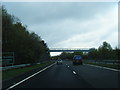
(105, 65)
(7, 74)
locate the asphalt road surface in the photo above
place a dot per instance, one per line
(68, 75)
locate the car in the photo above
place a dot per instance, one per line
(59, 61)
(77, 60)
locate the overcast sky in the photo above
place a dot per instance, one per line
(69, 24)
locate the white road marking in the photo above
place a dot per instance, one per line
(30, 77)
(103, 67)
(74, 72)
(68, 66)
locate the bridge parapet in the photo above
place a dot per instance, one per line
(69, 50)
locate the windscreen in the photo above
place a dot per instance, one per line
(77, 57)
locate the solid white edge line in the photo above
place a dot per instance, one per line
(104, 67)
(30, 76)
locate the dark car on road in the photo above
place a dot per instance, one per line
(59, 61)
(77, 59)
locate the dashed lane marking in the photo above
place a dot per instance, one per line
(74, 72)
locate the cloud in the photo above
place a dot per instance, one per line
(44, 12)
(70, 24)
(102, 28)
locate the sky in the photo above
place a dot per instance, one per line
(69, 24)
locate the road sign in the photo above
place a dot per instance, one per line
(7, 58)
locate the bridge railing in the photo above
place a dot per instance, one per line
(69, 48)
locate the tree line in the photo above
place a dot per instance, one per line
(27, 46)
(104, 52)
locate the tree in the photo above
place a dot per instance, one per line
(28, 47)
(93, 54)
(105, 51)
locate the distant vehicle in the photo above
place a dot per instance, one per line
(59, 61)
(77, 59)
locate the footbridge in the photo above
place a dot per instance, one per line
(69, 49)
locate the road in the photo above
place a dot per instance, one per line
(72, 76)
